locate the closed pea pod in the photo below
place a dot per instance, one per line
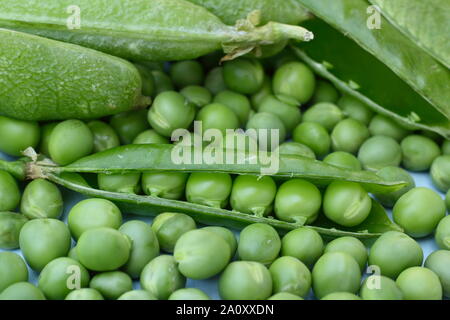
(129, 124)
(11, 224)
(22, 291)
(12, 268)
(9, 192)
(259, 242)
(169, 227)
(41, 199)
(210, 189)
(17, 135)
(168, 185)
(104, 135)
(111, 284)
(290, 275)
(124, 183)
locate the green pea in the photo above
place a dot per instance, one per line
(150, 136)
(9, 192)
(168, 185)
(418, 283)
(12, 268)
(446, 147)
(381, 125)
(264, 91)
(351, 246)
(378, 152)
(43, 240)
(61, 276)
(295, 148)
(112, 284)
(298, 201)
(284, 108)
(22, 291)
(209, 189)
(419, 211)
(303, 243)
(129, 124)
(394, 252)
(161, 277)
(137, 295)
(162, 82)
(335, 272)
(442, 235)
(290, 275)
(73, 254)
(236, 140)
(284, 296)
(294, 79)
(41, 199)
(148, 82)
(93, 213)
(419, 152)
(355, 109)
(341, 296)
(269, 128)
(170, 226)
(348, 135)
(394, 174)
(245, 280)
(218, 116)
(84, 294)
(11, 224)
(46, 132)
(438, 262)
(237, 102)
(325, 92)
(324, 113)
(243, 75)
(70, 141)
(226, 235)
(259, 242)
(17, 135)
(104, 135)
(344, 160)
(440, 173)
(121, 182)
(103, 249)
(144, 247)
(378, 287)
(189, 294)
(199, 96)
(214, 81)
(186, 73)
(314, 136)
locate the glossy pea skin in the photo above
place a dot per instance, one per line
(284, 108)
(43, 240)
(377, 287)
(352, 246)
(297, 200)
(284, 296)
(41, 199)
(120, 182)
(161, 277)
(93, 213)
(303, 243)
(129, 124)
(259, 242)
(418, 283)
(245, 280)
(237, 102)
(346, 203)
(341, 296)
(325, 92)
(394, 252)
(243, 75)
(264, 91)
(324, 113)
(335, 272)
(297, 149)
(144, 247)
(440, 173)
(11, 224)
(9, 192)
(394, 174)
(214, 81)
(209, 189)
(227, 235)
(103, 249)
(344, 160)
(186, 73)
(17, 135)
(348, 135)
(84, 294)
(217, 116)
(442, 234)
(290, 275)
(378, 152)
(294, 79)
(381, 125)
(162, 82)
(61, 276)
(314, 136)
(418, 152)
(137, 295)
(189, 294)
(22, 291)
(271, 125)
(419, 211)
(199, 96)
(167, 185)
(46, 132)
(439, 262)
(12, 268)
(355, 109)
(169, 227)
(111, 285)
(104, 135)
(149, 136)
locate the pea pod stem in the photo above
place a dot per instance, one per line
(16, 168)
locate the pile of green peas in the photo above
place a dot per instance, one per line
(313, 119)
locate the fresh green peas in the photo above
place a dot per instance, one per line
(264, 91)
(393, 252)
(17, 135)
(12, 268)
(284, 108)
(341, 296)
(245, 280)
(348, 135)
(394, 174)
(162, 81)
(304, 244)
(169, 227)
(297, 200)
(243, 75)
(377, 287)
(149, 136)
(161, 277)
(314, 136)
(9, 192)
(186, 73)
(419, 152)
(295, 148)
(46, 132)
(41, 199)
(43, 240)
(144, 247)
(73, 254)
(84, 294)
(419, 211)
(440, 172)
(103, 249)
(209, 189)
(237, 102)
(227, 235)
(378, 152)
(121, 182)
(148, 82)
(439, 262)
(253, 195)
(129, 124)
(11, 224)
(324, 113)
(351, 246)
(93, 213)
(346, 203)
(61, 276)
(259, 242)
(284, 296)
(294, 79)
(112, 284)
(217, 116)
(355, 109)
(137, 295)
(270, 125)
(199, 96)
(381, 125)
(418, 283)
(189, 294)
(22, 291)
(104, 135)
(214, 81)
(290, 275)
(344, 160)
(442, 235)
(325, 92)
(446, 147)
(168, 185)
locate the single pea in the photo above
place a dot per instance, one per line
(394, 252)
(41, 199)
(381, 125)
(394, 174)
(43, 240)
(346, 203)
(378, 152)
(168, 185)
(112, 284)
(227, 235)
(61, 276)
(341, 296)
(46, 132)
(325, 92)
(243, 75)
(162, 82)
(294, 79)
(303, 243)
(297, 201)
(442, 234)
(161, 277)
(418, 283)
(348, 135)
(284, 108)
(189, 294)
(17, 135)
(209, 189)
(259, 242)
(93, 213)
(12, 268)
(150, 136)
(11, 224)
(377, 287)
(245, 280)
(419, 152)
(439, 262)
(440, 173)
(264, 91)
(103, 249)
(170, 226)
(137, 295)
(22, 291)
(217, 116)
(314, 136)
(284, 296)
(270, 130)
(186, 73)
(214, 81)
(144, 247)
(296, 149)
(344, 160)
(237, 102)
(148, 82)
(9, 192)
(73, 254)
(199, 96)
(355, 109)
(324, 113)
(129, 124)
(290, 275)
(351, 246)
(84, 294)
(104, 135)
(120, 182)
(446, 147)
(419, 211)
